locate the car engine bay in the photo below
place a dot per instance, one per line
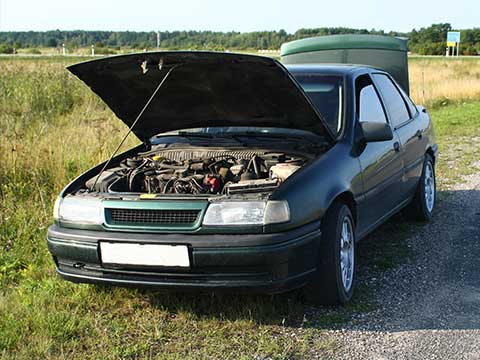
(213, 172)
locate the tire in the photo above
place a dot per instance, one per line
(328, 286)
(423, 203)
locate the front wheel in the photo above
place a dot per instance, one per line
(334, 280)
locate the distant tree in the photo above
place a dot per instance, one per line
(51, 42)
(430, 40)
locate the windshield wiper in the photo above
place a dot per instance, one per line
(216, 136)
(253, 134)
(188, 134)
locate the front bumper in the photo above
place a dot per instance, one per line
(267, 263)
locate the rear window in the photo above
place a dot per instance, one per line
(326, 93)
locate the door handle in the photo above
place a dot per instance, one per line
(396, 146)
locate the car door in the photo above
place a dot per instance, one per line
(381, 163)
(403, 116)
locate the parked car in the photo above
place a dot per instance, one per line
(250, 177)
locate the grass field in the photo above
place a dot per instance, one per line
(438, 81)
(52, 129)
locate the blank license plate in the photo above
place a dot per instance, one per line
(144, 254)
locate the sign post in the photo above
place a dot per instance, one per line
(453, 42)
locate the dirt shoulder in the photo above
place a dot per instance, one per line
(429, 307)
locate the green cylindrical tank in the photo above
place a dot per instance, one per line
(383, 52)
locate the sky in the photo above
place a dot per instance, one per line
(244, 15)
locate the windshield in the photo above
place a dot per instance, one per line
(324, 91)
(326, 94)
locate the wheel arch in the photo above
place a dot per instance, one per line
(347, 198)
(431, 152)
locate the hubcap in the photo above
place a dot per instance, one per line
(429, 186)
(347, 253)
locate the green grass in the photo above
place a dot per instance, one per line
(457, 129)
(51, 129)
(49, 318)
(457, 120)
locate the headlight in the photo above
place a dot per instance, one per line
(247, 213)
(79, 210)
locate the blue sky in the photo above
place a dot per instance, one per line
(240, 15)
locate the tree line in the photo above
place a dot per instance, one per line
(425, 41)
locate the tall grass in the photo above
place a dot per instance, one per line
(436, 82)
(51, 129)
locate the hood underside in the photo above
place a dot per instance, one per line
(204, 89)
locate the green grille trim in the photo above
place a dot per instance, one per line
(200, 206)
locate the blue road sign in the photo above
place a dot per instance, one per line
(453, 37)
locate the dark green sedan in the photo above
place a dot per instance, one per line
(251, 176)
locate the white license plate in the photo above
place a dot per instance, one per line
(144, 254)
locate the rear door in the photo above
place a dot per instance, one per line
(403, 116)
(381, 162)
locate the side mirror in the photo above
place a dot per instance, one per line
(376, 131)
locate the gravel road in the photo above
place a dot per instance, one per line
(429, 308)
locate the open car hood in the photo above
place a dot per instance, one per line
(205, 89)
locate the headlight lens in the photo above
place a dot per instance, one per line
(79, 210)
(247, 213)
(56, 208)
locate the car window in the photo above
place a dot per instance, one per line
(411, 106)
(369, 106)
(325, 92)
(393, 100)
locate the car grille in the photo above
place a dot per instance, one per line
(137, 216)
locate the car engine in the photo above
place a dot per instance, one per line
(195, 172)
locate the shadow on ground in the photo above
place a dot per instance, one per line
(380, 255)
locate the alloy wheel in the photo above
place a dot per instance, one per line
(347, 253)
(429, 186)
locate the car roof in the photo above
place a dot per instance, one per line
(329, 69)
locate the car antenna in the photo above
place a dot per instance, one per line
(145, 69)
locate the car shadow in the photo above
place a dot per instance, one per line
(380, 256)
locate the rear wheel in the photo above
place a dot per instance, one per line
(334, 280)
(421, 207)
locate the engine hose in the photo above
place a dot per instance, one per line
(255, 166)
(165, 189)
(253, 161)
(133, 175)
(196, 185)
